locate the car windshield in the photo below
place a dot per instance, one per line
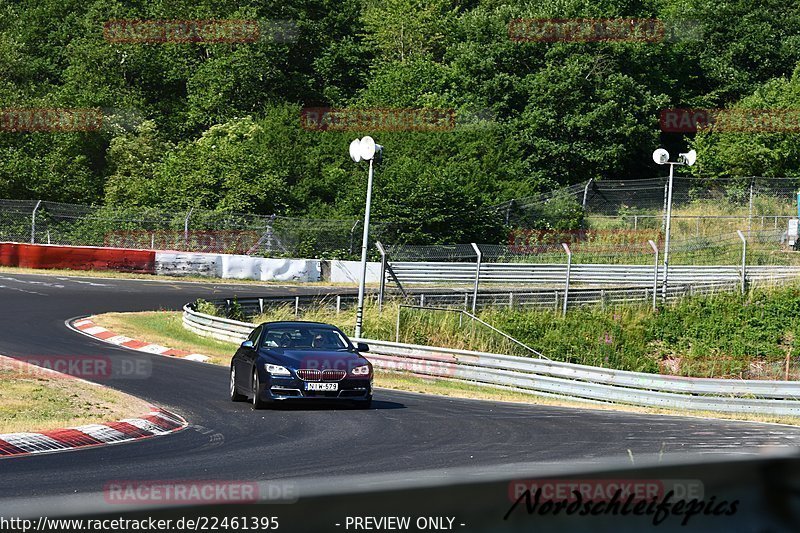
(305, 337)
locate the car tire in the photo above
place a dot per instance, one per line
(235, 396)
(258, 403)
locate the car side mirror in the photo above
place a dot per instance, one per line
(362, 347)
(248, 344)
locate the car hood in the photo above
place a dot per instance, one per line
(320, 359)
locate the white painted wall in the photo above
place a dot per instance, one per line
(350, 271)
(236, 267)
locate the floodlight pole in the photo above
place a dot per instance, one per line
(666, 238)
(364, 244)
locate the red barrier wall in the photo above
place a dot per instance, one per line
(77, 257)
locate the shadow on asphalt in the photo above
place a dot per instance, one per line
(377, 405)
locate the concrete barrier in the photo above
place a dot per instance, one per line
(236, 267)
(350, 271)
(77, 257)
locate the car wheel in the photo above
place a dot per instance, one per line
(258, 403)
(235, 396)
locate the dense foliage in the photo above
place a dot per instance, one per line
(218, 125)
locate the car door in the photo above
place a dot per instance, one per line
(244, 360)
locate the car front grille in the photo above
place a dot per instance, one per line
(312, 374)
(308, 374)
(333, 375)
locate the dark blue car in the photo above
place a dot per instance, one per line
(300, 361)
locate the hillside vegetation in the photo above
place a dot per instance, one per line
(217, 125)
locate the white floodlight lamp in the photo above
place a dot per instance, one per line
(688, 158)
(661, 156)
(355, 150)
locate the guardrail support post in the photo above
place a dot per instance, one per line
(338, 303)
(397, 324)
(296, 306)
(477, 276)
(655, 272)
(33, 222)
(744, 259)
(566, 283)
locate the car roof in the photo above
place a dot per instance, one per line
(298, 322)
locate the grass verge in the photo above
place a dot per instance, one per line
(166, 323)
(35, 400)
(165, 328)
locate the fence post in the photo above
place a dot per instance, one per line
(382, 289)
(750, 207)
(33, 222)
(352, 235)
(566, 283)
(655, 272)
(186, 228)
(586, 193)
(744, 259)
(477, 276)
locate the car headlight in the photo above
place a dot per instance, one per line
(277, 370)
(362, 370)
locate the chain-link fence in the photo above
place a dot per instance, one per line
(621, 247)
(194, 230)
(700, 207)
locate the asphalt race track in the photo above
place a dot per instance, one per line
(225, 441)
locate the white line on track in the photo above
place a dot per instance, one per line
(21, 290)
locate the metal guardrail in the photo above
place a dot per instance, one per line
(553, 378)
(510, 298)
(591, 274)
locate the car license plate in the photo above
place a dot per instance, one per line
(322, 386)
